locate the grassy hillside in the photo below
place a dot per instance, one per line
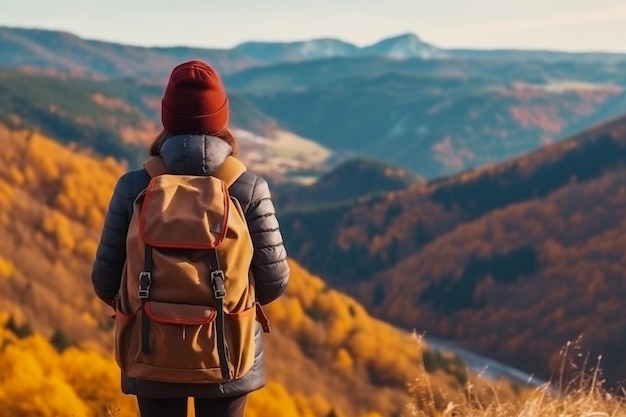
(512, 260)
(52, 202)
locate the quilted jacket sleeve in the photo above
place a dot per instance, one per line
(269, 262)
(107, 268)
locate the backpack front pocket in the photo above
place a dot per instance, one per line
(182, 344)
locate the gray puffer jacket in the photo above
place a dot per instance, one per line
(196, 155)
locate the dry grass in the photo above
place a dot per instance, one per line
(575, 393)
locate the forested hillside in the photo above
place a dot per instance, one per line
(354, 179)
(513, 260)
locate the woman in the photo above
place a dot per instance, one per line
(195, 141)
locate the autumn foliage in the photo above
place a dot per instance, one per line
(325, 356)
(513, 260)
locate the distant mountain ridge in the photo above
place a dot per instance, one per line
(402, 46)
(273, 52)
(62, 51)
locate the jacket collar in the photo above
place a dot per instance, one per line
(194, 154)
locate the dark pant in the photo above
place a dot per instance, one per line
(204, 407)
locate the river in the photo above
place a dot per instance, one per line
(483, 366)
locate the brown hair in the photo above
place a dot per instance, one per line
(225, 134)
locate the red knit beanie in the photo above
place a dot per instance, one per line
(195, 100)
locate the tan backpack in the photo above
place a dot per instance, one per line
(186, 309)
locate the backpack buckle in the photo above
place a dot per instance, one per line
(145, 282)
(217, 282)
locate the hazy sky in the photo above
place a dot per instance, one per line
(572, 25)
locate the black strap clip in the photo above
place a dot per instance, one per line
(145, 282)
(217, 282)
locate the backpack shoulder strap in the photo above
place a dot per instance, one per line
(230, 170)
(155, 166)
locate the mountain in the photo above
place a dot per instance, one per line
(397, 47)
(74, 111)
(521, 55)
(274, 52)
(49, 50)
(52, 203)
(434, 124)
(404, 46)
(53, 51)
(512, 260)
(435, 117)
(350, 181)
(120, 118)
(303, 76)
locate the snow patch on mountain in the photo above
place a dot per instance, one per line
(398, 47)
(405, 46)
